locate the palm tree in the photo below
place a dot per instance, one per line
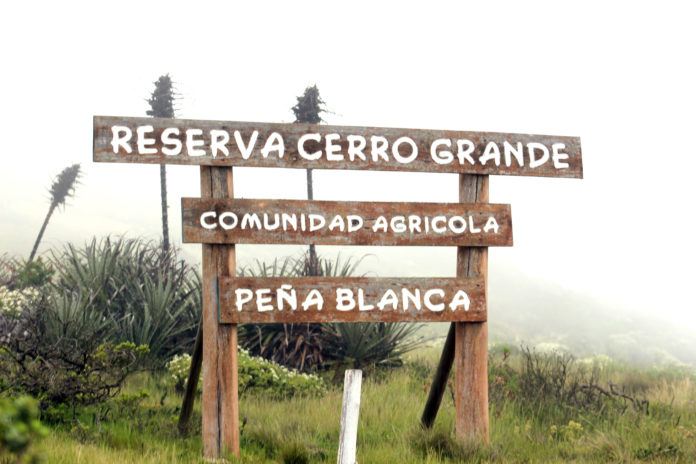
(307, 110)
(162, 106)
(62, 188)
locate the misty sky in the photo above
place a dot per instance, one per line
(619, 75)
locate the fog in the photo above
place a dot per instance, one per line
(614, 250)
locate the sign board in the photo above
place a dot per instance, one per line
(217, 221)
(345, 223)
(354, 299)
(310, 146)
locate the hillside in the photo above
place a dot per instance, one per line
(544, 315)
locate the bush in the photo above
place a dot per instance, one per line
(20, 427)
(262, 377)
(12, 301)
(147, 295)
(312, 346)
(257, 376)
(554, 388)
(21, 274)
(368, 345)
(178, 369)
(54, 350)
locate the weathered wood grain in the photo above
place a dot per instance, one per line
(439, 233)
(215, 143)
(220, 404)
(365, 292)
(350, 412)
(471, 340)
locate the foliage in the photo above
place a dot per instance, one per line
(55, 344)
(257, 376)
(288, 267)
(298, 346)
(309, 106)
(19, 274)
(295, 453)
(63, 187)
(308, 346)
(178, 369)
(162, 99)
(54, 351)
(139, 425)
(12, 302)
(294, 345)
(20, 427)
(552, 388)
(262, 377)
(297, 267)
(366, 345)
(6, 269)
(445, 445)
(146, 295)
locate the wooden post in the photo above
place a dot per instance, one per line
(472, 419)
(471, 339)
(348, 439)
(191, 383)
(220, 405)
(437, 389)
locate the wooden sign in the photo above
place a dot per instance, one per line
(218, 222)
(223, 143)
(345, 223)
(355, 299)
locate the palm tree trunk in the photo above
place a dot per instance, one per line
(165, 218)
(41, 232)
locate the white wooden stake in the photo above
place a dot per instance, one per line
(347, 444)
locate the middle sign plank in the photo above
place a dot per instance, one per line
(345, 223)
(352, 299)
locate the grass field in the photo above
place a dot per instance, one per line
(139, 426)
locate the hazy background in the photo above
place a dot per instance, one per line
(599, 265)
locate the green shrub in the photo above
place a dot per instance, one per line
(17, 274)
(178, 369)
(147, 295)
(294, 345)
(33, 274)
(55, 350)
(295, 453)
(368, 345)
(20, 427)
(446, 446)
(257, 376)
(13, 301)
(262, 377)
(554, 389)
(312, 346)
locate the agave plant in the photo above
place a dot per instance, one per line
(288, 267)
(147, 294)
(291, 345)
(368, 345)
(308, 346)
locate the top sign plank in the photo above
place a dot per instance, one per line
(222, 143)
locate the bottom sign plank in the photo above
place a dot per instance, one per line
(355, 299)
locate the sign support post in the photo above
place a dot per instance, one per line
(471, 339)
(220, 400)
